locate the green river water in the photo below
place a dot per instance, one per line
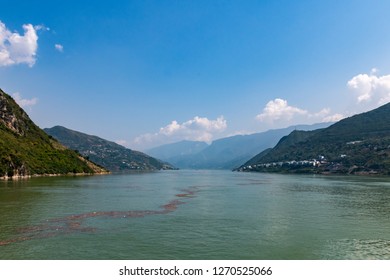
(189, 214)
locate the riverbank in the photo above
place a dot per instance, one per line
(26, 177)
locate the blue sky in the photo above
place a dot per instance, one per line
(145, 73)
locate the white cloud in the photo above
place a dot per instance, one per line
(278, 109)
(121, 142)
(24, 102)
(374, 71)
(333, 118)
(279, 113)
(16, 48)
(59, 47)
(41, 27)
(197, 129)
(372, 90)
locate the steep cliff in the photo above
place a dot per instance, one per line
(26, 150)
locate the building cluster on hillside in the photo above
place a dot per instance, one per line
(321, 160)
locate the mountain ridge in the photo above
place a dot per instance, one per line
(359, 144)
(106, 153)
(177, 149)
(231, 152)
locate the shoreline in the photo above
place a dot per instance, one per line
(325, 173)
(26, 177)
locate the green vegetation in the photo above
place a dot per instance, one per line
(112, 156)
(26, 150)
(355, 145)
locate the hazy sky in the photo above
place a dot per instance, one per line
(145, 73)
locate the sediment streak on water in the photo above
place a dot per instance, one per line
(74, 223)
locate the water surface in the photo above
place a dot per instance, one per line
(196, 215)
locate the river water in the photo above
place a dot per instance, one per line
(189, 214)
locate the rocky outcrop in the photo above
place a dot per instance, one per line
(26, 150)
(11, 119)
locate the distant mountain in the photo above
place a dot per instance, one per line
(26, 150)
(171, 152)
(356, 145)
(111, 155)
(226, 153)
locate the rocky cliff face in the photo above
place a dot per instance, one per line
(12, 117)
(26, 150)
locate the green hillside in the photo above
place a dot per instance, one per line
(112, 156)
(357, 145)
(27, 150)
